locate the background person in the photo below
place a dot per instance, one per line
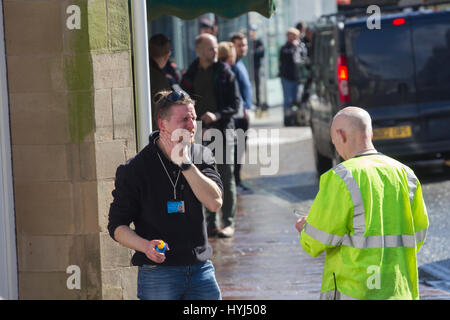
(241, 120)
(162, 194)
(159, 53)
(290, 58)
(214, 86)
(369, 216)
(227, 53)
(258, 55)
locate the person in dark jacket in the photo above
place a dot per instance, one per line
(290, 58)
(159, 53)
(258, 55)
(216, 91)
(162, 191)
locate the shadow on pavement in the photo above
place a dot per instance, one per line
(293, 187)
(436, 274)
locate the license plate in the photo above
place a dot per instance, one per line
(392, 133)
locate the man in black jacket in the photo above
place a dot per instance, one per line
(159, 53)
(290, 59)
(161, 191)
(213, 85)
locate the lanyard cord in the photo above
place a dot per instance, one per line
(171, 181)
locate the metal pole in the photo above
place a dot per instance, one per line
(8, 247)
(141, 71)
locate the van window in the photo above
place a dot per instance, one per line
(380, 64)
(432, 54)
(326, 56)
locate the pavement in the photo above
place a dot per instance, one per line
(264, 260)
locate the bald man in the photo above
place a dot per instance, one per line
(214, 87)
(369, 217)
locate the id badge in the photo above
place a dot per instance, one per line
(175, 206)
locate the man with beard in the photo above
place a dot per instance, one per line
(161, 191)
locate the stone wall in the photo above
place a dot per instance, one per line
(72, 124)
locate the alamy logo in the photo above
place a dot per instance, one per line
(74, 281)
(74, 20)
(266, 153)
(374, 280)
(374, 21)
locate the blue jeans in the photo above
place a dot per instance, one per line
(191, 282)
(290, 91)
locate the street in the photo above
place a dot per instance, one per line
(265, 260)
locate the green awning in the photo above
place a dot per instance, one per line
(190, 9)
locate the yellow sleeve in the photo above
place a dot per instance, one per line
(329, 217)
(420, 217)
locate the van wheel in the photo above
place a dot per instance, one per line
(323, 163)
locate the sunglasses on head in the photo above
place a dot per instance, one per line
(176, 95)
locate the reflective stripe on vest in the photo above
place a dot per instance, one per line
(412, 185)
(359, 224)
(358, 240)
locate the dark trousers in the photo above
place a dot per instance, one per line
(226, 171)
(258, 87)
(241, 123)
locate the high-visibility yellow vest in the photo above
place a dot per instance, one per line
(370, 218)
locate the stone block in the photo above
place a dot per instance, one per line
(35, 163)
(98, 28)
(47, 253)
(113, 254)
(78, 71)
(131, 149)
(47, 286)
(35, 73)
(112, 70)
(120, 283)
(39, 118)
(104, 189)
(86, 207)
(33, 27)
(44, 256)
(109, 155)
(123, 110)
(129, 283)
(118, 25)
(44, 208)
(103, 115)
(81, 116)
(88, 165)
(112, 293)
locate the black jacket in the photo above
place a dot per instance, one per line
(142, 189)
(290, 58)
(226, 92)
(158, 82)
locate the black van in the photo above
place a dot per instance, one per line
(399, 73)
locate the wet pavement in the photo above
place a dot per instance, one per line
(264, 259)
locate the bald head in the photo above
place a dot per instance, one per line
(351, 132)
(207, 49)
(204, 37)
(354, 119)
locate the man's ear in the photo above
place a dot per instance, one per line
(161, 124)
(342, 135)
(167, 56)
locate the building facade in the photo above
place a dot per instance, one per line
(69, 105)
